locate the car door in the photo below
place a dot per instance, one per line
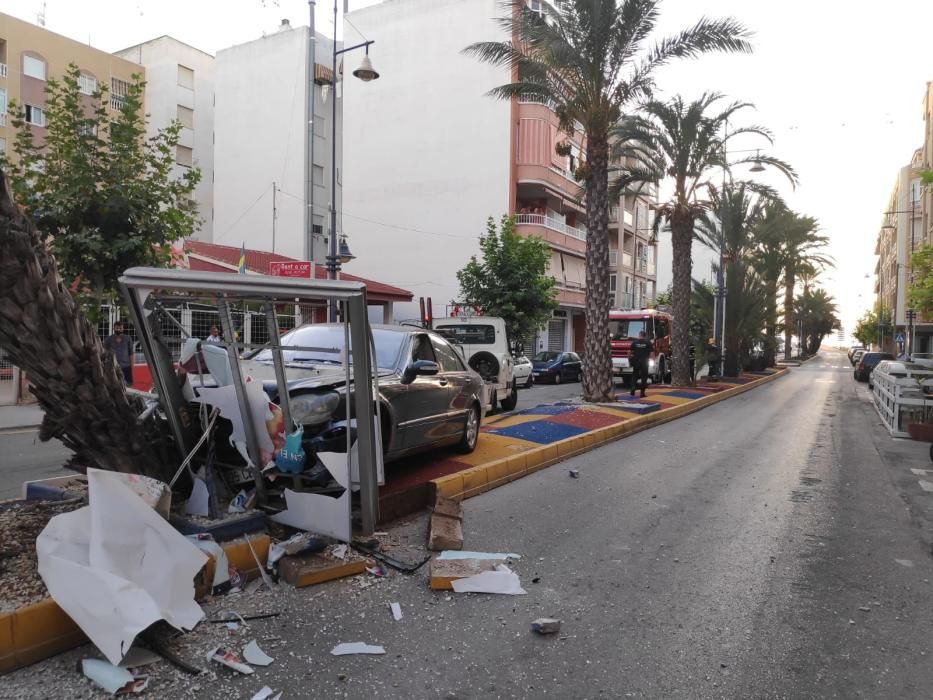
(573, 364)
(421, 408)
(458, 385)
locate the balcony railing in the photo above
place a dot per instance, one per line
(551, 223)
(613, 215)
(613, 258)
(626, 259)
(538, 100)
(3, 70)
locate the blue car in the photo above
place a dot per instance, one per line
(557, 366)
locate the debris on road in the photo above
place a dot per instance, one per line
(396, 611)
(445, 571)
(266, 694)
(254, 655)
(449, 556)
(574, 473)
(308, 569)
(117, 566)
(113, 679)
(446, 525)
(139, 656)
(356, 648)
(502, 581)
(228, 658)
(545, 625)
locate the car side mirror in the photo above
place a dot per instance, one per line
(419, 368)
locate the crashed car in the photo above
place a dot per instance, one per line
(428, 397)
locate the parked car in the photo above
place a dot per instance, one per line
(896, 369)
(856, 356)
(625, 326)
(867, 362)
(428, 397)
(852, 350)
(523, 373)
(557, 366)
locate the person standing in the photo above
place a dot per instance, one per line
(712, 358)
(122, 349)
(214, 337)
(641, 354)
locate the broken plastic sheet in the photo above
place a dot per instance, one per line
(221, 566)
(115, 566)
(267, 694)
(198, 502)
(224, 399)
(356, 648)
(252, 654)
(321, 514)
(503, 581)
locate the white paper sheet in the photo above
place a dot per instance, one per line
(321, 514)
(396, 611)
(109, 677)
(502, 581)
(197, 503)
(356, 648)
(221, 565)
(115, 566)
(453, 554)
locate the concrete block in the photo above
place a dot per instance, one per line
(445, 571)
(448, 507)
(446, 533)
(308, 569)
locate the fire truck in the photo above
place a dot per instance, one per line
(625, 326)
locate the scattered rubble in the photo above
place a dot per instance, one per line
(256, 656)
(356, 648)
(446, 525)
(545, 625)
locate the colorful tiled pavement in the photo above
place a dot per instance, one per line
(529, 430)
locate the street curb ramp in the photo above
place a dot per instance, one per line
(482, 478)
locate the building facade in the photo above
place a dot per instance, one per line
(926, 163)
(430, 157)
(267, 163)
(30, 55)
(899, 236)
(180, 85)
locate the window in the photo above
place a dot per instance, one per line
(318, 175)
(3, 101)
(184, 156)
(421, 349)
(613, 283)
(35, 116)
(34, 67)
(447, 357)
(119, 89)
(185, 77)
(87, 84)
(186, 117)
(87, 129)
(318, 225)
(469, 334)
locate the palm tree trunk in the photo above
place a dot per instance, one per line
(789, 281)
(682, 266)
(732, 340)
(597, 370)
(45, 333)
(771, 324)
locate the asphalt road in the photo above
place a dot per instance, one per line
(24, 458)
(760, 548)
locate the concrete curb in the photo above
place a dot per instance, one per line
(477, 480)
(40, 630)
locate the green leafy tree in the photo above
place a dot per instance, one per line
(102, 194)
(666, 297)
(768, 260)
(511, 280)
(803, 246)
(921, 289)
(868, 328)
(593, 60)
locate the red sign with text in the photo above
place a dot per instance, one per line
(290, 269)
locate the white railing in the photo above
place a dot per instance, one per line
(564, 173)
(613, 258)
(626, 260)
(550, 104)
(3, 70)
(899, 400)
(553, 224)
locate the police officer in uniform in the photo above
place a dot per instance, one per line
(640, 353)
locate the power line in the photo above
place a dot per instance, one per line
(248, 209)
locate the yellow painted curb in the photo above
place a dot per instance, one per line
(36, 632)
(476, 480)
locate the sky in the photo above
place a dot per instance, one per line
(839, 83)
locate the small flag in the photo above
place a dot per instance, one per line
(241, 267)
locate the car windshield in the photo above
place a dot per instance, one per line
(469, 334)
(621, 329)
(324, 344)
(546, 356)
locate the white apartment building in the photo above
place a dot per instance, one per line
(429, 156)
(180, 85)
(262, 141)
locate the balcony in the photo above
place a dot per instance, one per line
(613, 258)
(538, 100)
(550, 223)
(3, 70)
(626, 260)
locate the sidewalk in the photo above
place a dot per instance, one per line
(24, 417)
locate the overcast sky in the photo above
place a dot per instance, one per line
(840, 86)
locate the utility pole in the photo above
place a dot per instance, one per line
(309, 140)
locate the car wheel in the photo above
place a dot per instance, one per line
(470, 432)
(557, 377)
(530, 382)
(509, 403)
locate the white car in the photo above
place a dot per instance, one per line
(521, 370)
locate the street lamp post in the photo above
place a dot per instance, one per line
(365, 73)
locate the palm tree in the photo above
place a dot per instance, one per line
(688, 143)
(817, 313)
(591, 59)
(768, 260)
(739, 206)
(801, 246)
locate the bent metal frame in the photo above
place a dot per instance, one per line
(142, 284)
